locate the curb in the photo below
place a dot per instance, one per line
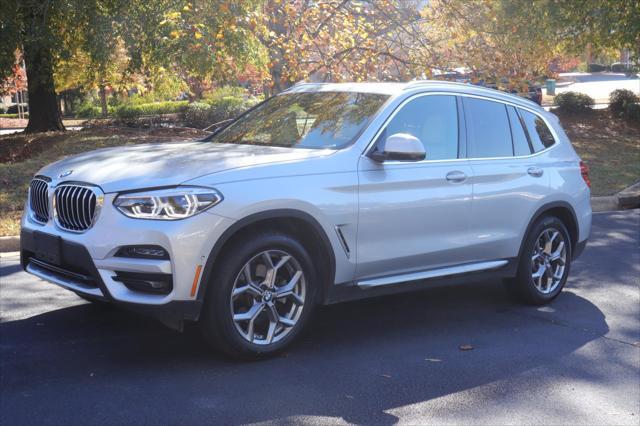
(628, 198)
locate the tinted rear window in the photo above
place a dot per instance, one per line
(488, 129)
(539, 133)
(520, 142)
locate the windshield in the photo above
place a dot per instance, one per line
(317, 120)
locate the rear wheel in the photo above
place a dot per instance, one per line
(544, 263)
(261, 295)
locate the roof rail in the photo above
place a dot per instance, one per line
(301, 83)
(416, 83)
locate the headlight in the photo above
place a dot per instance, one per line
(167, 204)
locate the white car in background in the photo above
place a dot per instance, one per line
(324, 193)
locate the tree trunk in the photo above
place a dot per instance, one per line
(44, 114)
(103, 100)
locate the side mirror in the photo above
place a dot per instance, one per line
(399, 147)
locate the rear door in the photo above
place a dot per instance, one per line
(414, 216)
(508, 181)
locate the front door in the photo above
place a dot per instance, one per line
(414, 216)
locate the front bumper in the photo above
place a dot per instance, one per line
(87, 263)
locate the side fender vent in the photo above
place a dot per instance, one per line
(343, 241)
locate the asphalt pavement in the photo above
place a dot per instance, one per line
(380, 361)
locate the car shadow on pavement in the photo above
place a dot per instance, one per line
(356, 362)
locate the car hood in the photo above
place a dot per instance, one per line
(165, 164)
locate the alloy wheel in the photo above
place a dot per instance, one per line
(268, 297)
(548, 260)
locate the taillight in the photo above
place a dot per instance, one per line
(584, 171)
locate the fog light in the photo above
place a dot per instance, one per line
(145, 282)
(143, 252)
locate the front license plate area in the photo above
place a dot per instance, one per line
(47, 248)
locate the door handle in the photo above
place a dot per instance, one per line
(456, 176)
(535, 171)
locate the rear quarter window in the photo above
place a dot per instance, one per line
(488, 129)
(539, 134)
(520, 142)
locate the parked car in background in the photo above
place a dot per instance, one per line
(321, 194)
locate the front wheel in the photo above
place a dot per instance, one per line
(544, 263)
(261, 294)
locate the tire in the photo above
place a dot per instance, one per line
(256, 296)
(536, 266)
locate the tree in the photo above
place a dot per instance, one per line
(603, 24)
(204, 42)
(332, 40)
(519, 40)
(29, 25)
(495, 39)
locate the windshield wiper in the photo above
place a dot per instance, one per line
(219, 126)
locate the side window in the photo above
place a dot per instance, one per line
(488, 131)
(539, 133)
(433, 120)
(520, 142)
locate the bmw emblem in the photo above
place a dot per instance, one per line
(65, 173)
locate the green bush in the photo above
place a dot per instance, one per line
(620, 99)
(131, 110)
(225, 92)
(204, 114)
(197, 115)
(573, 102)
(87, 110)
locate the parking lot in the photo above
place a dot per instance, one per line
(385, 360)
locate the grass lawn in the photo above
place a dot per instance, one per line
(609, 145)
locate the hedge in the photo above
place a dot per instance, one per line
(26, 115)
(155, 108)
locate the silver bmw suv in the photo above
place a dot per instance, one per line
(324, 193)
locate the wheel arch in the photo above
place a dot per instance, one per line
(563, 211)
(297, 222)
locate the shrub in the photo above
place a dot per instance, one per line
(216, 108)
(225, 92)
(573, 102)
(197, 115)
(86, 110)
(130, 110)
(620, 99)
(26, 115)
